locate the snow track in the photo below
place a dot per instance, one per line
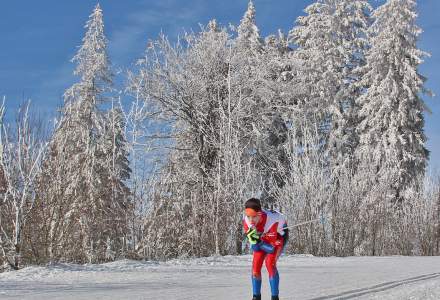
(228, 278)
(353, 294)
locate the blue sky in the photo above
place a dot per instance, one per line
(38, 39)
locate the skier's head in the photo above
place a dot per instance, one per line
(253, 210)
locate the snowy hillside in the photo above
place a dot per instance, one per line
(216, 278)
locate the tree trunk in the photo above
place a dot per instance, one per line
(17, 255)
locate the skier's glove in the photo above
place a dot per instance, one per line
(253, 236)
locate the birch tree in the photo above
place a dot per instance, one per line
(22, 150)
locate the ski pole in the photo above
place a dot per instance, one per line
(321, 219)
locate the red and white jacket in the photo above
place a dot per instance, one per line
(270, 227)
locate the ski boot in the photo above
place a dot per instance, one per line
(275, 298)
(256, 297)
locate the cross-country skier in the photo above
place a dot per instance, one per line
(267, 234)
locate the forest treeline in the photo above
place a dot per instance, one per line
(323, 122)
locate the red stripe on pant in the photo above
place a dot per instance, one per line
(270, 259)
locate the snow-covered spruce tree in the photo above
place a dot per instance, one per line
(119, 171)
(87, 123)
(320, 76)
(392, 140)
(320, 80)
(330, 42)
(350, 22)
(76, 181)
(88, 140)
(248, 34)
(248, 47)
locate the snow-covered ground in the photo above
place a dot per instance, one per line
(215, 278)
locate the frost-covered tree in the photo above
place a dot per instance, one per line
(318, 37)
(248, 47)
(258, 69)
(190, 85)
(77, 166)
(248, 34)
(320, 75)
(204, 91)
(345, 24)
(119, 164)
(392, 139)
(93, 64)
(82, 133)
(118, 196)
(350, 22)
(330, 41)
(22, 150)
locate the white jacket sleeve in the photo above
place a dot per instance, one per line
(282, 223)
